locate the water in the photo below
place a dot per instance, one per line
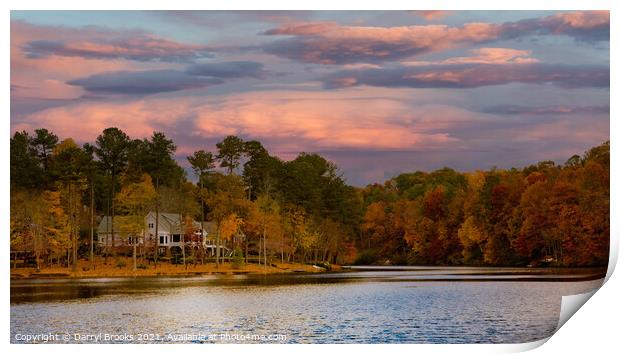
(367, 305)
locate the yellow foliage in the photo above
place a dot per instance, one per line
(230, 226)
(135, 200)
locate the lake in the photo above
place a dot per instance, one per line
(362, 305)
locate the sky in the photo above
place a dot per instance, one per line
(377, 92)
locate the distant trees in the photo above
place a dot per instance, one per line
(302, 210)
(542, 213)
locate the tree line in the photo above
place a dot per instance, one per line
(543, 213)
(299, 210)
(303, 210)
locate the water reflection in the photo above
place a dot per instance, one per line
(436, 305)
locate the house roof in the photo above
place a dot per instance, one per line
(172, 220)
(167, 221)
(105, 225)
(209, 227)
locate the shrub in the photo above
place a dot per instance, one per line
(141, 266)
(120, 263)
(237, 259)
(366, 257)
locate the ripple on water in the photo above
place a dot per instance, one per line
(363, 310)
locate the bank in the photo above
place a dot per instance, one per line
(123, 267)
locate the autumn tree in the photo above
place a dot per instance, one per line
(70, 165)
(135, 200)
(226, 196)
(264, 220)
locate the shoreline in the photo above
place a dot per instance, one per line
(170, 271)
(109, 270)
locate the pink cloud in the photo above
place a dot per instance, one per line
(331, 43)
(27, 71)
(485, 56)
(367, 131)
(310, 121)
(473, 74)
(581, 19)
(94, 42)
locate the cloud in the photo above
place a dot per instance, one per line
(331, 43)
(485, 56)
(469, 76)
(109, 45)
(285, 121)
(147, 82)
(544, 110)
(143, 82)
(582, 25)
(232, 69)
(367, 133)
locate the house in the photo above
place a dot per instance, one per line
(170, 230)
(171, 233)
(104, 233)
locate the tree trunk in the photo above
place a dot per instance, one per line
(202, 219)
(246, 250)
(92, 222)
(73, 228)
(264, 246)
(282, 248)
(156, 221)
(37, 248)
(217, 246)
(105, 247)
(135, 261)
(183, 247)
(112, 214)
(260, 250)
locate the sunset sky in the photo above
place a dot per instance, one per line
(378, 93)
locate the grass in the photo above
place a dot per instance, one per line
(123, 267)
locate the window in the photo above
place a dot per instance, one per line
(151, 226)
(176, 238)
(161, 239)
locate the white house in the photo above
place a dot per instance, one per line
(170, 231)
(104, 233)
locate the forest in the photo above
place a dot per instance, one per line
(303, 210)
